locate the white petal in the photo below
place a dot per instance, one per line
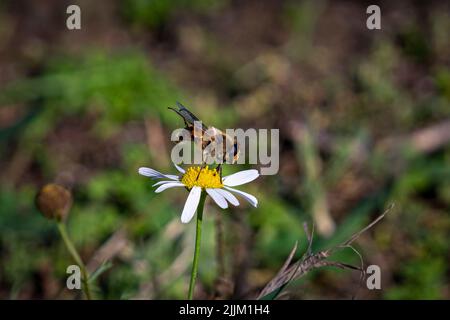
(252, 199)
(172, 176)
(229, 196)
(242, 177)
(149, 172)
(179, 168)
(191, 204)
(218, 198)
(152, 173)
(168, 186)
(162, 182)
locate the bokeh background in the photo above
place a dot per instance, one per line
(364, 119)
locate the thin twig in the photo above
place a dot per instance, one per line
(370, 225)
(310, 237)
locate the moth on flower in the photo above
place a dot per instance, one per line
(216, 145)
(197, 179)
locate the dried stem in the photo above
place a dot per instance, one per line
(310, 260)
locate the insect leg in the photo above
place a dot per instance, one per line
(201, 168)
(219, 168)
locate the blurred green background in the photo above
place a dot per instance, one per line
(364, 119)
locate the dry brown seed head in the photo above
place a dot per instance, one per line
(54, 201)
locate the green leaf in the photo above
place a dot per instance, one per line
(106, 265)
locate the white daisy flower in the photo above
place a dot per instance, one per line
(196, 179)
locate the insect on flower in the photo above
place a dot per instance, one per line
(197, 179)
(216, 145)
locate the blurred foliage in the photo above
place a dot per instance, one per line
(91, 118)
(156, 13)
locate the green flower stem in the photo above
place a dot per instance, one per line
(198, 237)
(65, 236)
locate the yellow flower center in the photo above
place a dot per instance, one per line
(204, 178)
